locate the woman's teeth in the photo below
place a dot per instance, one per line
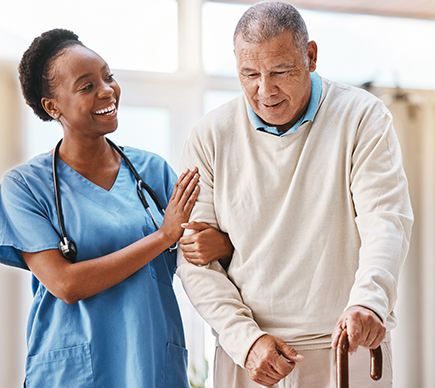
(105, 111)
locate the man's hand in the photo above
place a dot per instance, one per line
(265, 364)
(364, 329)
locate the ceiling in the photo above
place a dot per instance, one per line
(420, 9)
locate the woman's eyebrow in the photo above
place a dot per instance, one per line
(89, 74)
(82, 77)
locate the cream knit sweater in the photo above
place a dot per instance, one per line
(320, 220)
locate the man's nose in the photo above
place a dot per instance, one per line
(267, 87)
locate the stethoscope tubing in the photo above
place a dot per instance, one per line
(67, 247)
(57, 191)
(140, 185)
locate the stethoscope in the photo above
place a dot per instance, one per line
(67, 247)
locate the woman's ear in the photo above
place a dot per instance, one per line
(50, 107)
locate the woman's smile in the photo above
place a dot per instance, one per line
(109, 111)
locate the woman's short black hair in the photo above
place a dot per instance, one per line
(35, 65)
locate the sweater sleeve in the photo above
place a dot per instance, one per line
(383, 215)
(208, 287)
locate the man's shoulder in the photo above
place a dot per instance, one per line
(354, 97)
(346, 90)
(224, 117)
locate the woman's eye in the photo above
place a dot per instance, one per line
(110, 77)
(87, 87)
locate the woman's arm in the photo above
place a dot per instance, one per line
(206, 244)
(72, 282)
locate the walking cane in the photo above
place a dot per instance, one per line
(343, 362)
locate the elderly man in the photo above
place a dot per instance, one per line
(306, 177)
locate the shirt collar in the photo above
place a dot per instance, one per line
(316, 93)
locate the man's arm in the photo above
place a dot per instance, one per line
(269, 359)
(215, 296)
(384, 219)
(219, 302)
(208, 287)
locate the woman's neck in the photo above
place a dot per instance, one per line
(94, 159)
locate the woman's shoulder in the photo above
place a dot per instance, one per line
(29, 183)
(150, 165)
(37, 169)
(142, 157)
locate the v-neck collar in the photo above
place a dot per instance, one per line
(121, 190)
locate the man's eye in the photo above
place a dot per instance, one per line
(87, 87)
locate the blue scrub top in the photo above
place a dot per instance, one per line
(129, 335)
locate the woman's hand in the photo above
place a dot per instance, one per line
(206, 244)
(73, 282)
(180, 205)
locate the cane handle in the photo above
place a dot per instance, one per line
(343, 362)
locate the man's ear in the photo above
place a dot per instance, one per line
(50, 107)
(312, 56)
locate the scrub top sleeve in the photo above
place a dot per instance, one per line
(25, 221)
(8, 254)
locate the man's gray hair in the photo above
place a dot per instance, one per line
(269, 19)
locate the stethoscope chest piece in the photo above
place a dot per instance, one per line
(67, 247)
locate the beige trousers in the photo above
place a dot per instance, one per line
(318, 370)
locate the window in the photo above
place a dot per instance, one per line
(384, 50)
(146, 128)
(215, 98)
(131, 35)
(217, 48)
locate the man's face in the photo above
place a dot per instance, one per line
(275, 78)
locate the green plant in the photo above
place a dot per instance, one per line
(198, 376)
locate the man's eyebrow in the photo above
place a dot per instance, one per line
(248, 70)
(282, 66)
(286, 66)
(89, 74)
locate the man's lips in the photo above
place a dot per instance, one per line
(271, 106)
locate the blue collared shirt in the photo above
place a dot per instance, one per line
(316, 93)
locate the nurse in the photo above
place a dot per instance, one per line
(109, 319)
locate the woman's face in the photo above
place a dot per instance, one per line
(86, 96)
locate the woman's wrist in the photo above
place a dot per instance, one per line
(165, 240)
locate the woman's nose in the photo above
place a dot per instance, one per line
(105, 90)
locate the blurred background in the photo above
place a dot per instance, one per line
(174, 62)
